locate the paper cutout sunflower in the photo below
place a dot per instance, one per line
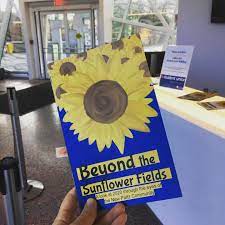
(60, 73)
(105, 96)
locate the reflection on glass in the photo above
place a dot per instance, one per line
(96, 26)
(53, 36)
(160, 14)
(79, 24)
(14, 57)
(66, 33)
(120, 8)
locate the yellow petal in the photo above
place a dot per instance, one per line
(73, 98)
(140, 109)
(107, 135)
(73, 127)
(134, 123)
(74, 116)
(118, 138)
(102, 69)
(114, 67)
(91, 139)
(80, 82)
(140, 93)
(134, 84)
(84, 130)
(126, 132)
(97, 134)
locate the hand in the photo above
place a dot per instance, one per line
(69, 213)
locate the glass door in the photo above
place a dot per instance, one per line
(79, 31)
(63, 33)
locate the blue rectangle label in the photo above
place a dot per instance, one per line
(175, 82)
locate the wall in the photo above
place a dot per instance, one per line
(200, 166)
(194, 28)
(105, 18)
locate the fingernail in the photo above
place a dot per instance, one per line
(120, 207)
(90, 202)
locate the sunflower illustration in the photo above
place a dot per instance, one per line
(105, 93)
(65, 68)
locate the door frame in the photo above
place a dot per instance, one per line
(39, 58)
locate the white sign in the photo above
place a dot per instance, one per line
(176, 66)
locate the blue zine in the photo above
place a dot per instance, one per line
(114, 134)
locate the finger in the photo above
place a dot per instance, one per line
(67, 209)
(88, 214)
(121, 220)
(110, 216)
(102, 213)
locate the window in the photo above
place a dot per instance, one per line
(15, 61)
(155, 20)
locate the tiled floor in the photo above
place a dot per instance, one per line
(41, 135)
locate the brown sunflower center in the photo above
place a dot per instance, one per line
(105, 101)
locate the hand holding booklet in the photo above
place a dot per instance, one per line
(114, 134)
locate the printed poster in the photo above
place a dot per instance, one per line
(176, 66)
(114, 134)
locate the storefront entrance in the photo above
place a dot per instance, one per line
(64, 33)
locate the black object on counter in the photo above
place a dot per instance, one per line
(155, 62)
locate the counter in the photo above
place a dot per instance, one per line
(197, 141)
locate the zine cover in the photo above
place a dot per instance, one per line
(112, 126)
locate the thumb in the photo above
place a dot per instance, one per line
(88, 214)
